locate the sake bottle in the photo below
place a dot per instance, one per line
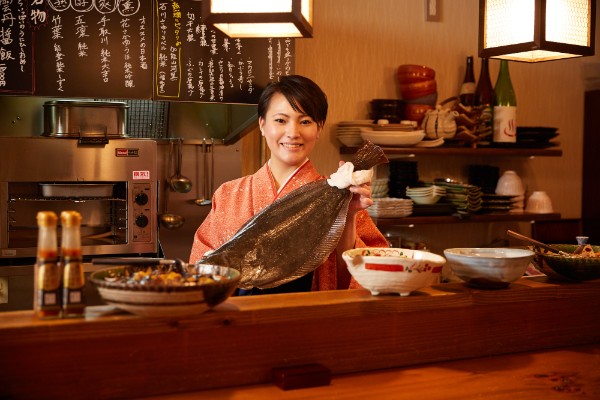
(467, 89)
(73, 301)
(484, 98)
(47, 296)
(505, 107)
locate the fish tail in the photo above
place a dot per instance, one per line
(368, 156)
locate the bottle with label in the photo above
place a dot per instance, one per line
(47, 290)
(505, 107)
(467, 89)
(484, 98)
(71, 257)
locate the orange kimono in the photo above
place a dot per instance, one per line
(237, 201)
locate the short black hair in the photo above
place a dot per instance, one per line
(303, 94)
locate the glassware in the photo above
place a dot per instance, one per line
(505, 107)
(467, 89)
(46, 301)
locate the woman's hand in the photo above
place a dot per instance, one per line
(361, 198)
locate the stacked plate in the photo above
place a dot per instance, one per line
(467, 199)
(430, 194)
(536, 136)
(388, 207)
(393, 138)
(348, 132)
(500, 203)
(402, 174)
(379, 188)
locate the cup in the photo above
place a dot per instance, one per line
(539, 203)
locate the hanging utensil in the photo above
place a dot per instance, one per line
(207, 177)
(180, 183)
(536, 243)
(202, 198)
(168, 220)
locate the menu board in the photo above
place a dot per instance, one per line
(132, 49)
(197, 63)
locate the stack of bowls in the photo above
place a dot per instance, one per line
(418, 89)
(426, 194)
(348, 132)
(379, 188)
(390, 207)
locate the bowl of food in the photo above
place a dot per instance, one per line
(578, 267)
(165, 290)
(488, 268)
(393, 270)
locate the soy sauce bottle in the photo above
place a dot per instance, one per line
(73, 301)
(467, 89)
(47, 276)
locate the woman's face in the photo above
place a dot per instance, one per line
(290, 135)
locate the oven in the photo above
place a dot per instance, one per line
(113, 186)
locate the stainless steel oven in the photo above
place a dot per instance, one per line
(113, 186)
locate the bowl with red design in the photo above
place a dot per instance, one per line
(393, 270)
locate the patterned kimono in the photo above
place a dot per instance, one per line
(235, 202)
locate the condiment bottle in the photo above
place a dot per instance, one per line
(47, 296)
(71, 256)
(484, 96)
(505, 107)
(467, 89)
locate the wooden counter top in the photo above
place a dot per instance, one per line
(115, 355)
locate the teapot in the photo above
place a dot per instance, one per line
(440, 123)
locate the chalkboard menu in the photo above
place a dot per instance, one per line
(136, 49)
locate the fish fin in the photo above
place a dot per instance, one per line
(368, 155)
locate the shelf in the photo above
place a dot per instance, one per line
(465, 151)
(452, 219)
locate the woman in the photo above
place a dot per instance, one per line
(291, 116)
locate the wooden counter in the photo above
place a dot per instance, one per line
(110, 354)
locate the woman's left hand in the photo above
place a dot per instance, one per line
(361, 198)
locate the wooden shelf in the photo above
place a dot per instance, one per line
(465, 151)
(452, 219)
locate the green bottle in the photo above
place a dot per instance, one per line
(505, 107)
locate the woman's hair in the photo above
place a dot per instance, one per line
(302, 93)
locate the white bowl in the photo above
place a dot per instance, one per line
(396, 139)
(539, 203)
(393, 270)
(488, 268)
(510, 184)
(350, 141)
(428, 199)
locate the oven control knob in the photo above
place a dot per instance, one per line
(141, 221)
(141, 199)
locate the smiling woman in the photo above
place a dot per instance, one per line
(292, 113)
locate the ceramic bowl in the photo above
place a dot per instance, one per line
(425, 199)
(350, 140)
(510, 184)
(575, 268)
(414, 90)
(393, 270)
(488, 268)
(388, 138)
(209, 286)
(409, 73)
(539, 203)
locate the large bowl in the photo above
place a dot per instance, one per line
(390, 138)
(488, 268)
(393, 270)
(166, 299)
(576, 268)
(410, 73)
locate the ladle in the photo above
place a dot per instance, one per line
(170, 221)
(536, 243)
(180, 183)
(206, 182)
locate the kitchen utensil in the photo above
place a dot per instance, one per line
(536, 243)
(202, 196)
(168, 220)
(207, 179)
(581, 241)
(180, 183)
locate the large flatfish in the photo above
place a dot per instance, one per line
(294, 234)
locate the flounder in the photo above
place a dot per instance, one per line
(294, 234)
